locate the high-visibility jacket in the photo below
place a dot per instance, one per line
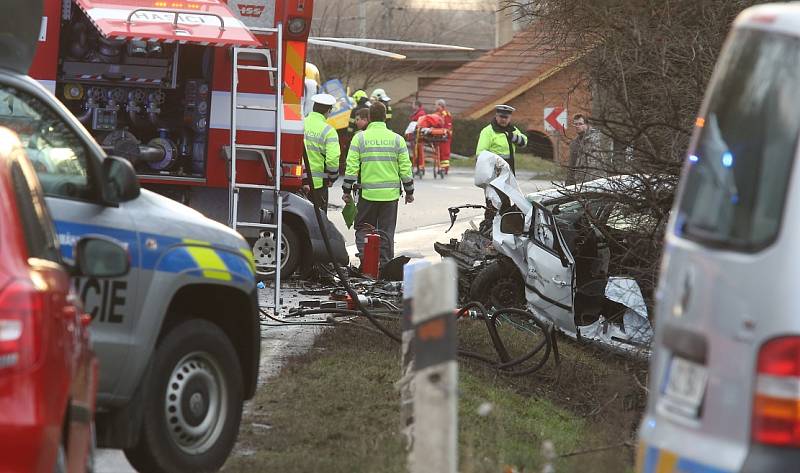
(322, 147)
(497, 142)
(388, 112)
(378, 157)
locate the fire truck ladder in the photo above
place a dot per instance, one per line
(269, 113)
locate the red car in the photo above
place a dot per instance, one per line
(48, 372)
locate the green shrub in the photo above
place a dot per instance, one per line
(400, 114)
(465, 135)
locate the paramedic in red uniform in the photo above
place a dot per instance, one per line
(419, 111)
(444, 147)
(424, 125)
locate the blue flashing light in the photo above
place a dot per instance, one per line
(693, 158)
(727, 159)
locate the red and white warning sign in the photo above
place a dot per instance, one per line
(555, 119)
(194, 21)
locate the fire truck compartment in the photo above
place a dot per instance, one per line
(145, 100)
(199, 21)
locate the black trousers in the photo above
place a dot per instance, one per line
(320, 198)
(383, 217)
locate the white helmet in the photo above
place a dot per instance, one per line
(380, 94)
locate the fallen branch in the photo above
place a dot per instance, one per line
(605, 404)
(644, 388)
(595, 450)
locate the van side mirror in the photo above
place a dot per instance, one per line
(512, 223)
(100, 257)
(120, 178)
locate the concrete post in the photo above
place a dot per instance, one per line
(434, 347)
(406, 382)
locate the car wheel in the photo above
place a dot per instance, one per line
(500, 285)
(264, 253)
(61, 460)
(193, 405)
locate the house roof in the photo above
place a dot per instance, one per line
(473, 89)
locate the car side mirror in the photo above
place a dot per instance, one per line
(100, 257)
(120, 178)
(556, 210)
(512, 223)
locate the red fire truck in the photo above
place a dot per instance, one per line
(205, 98)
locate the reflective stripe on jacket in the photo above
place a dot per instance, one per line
(378, 157)
(322, 147)
(496, 143)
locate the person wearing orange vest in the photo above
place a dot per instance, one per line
(444, 147)
(424, 125)
(419, 111)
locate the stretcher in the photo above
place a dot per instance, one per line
(421, 136)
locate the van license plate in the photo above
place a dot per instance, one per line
(686, 384)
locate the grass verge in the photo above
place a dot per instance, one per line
(522, 162)
(335, 409)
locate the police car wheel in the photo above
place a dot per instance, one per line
(194, 402)
(264, 253)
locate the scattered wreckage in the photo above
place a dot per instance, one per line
(544, 253)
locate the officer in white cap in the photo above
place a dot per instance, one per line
(501, 137)
(322, 147)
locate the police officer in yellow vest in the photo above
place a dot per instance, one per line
(378, 158)
(501, 137)
(322, 148)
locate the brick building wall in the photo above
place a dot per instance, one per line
(563, 89)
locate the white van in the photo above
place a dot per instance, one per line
(725, 375)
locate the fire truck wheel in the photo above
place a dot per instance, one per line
(264, 253)
(193, 404)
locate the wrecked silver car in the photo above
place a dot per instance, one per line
(545, 251)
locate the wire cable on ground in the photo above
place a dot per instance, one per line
(339, 271)
(505, 364)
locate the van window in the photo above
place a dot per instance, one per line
(738, 174)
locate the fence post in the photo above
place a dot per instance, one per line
(435, 433)
(406, 382)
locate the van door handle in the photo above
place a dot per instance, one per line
(558, 281)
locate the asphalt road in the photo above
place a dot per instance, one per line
(423, 222)
(418, 225)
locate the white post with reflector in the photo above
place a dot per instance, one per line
(435, 434)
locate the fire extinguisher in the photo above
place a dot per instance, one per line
(372, 252)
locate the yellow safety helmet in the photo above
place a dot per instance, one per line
(359, 94)
(312, 72)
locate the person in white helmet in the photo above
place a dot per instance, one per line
(322, 147)
(379, 95)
